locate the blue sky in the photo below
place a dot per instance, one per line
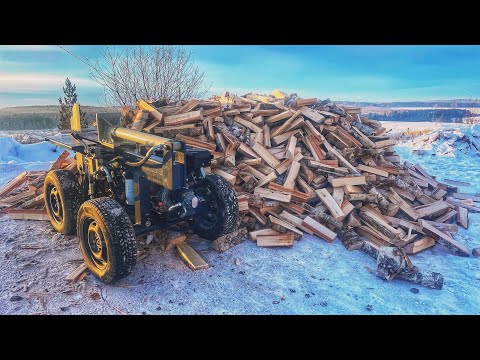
(34, 75)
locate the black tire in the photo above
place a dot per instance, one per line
(107, 239)
(222, 196)
(63, 198)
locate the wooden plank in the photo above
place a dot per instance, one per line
(275, 240)
(28, 214)
(462, 216)
(272, 194)
(13, 184)
(419, 245)
(193, 259)
(372, 170)
(318, 229)
(331, 204)
(266, 155)
(289, 182)
(456, 182)
(444, 239)
(186, 118)
(269, 231)
(349, 180)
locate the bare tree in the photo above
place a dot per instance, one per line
(166, 73)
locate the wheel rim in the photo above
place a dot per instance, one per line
(55, 204)
(208, 218)
(94, 243)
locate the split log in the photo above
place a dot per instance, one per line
(225, 242)
(444, 239)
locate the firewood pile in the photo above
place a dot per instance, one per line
(311, 166)
(22, 198)
(306, 166)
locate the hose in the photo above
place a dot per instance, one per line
(146, 157)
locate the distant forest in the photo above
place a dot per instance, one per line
(38, 117)
(440, 115)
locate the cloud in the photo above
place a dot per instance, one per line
(29, 82)
(29, 48)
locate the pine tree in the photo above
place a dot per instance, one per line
(66, 104)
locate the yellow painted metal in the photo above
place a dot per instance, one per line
(180, 157)
(161, 176)
(142, 104)
(76, 125)
(75, 119)
(144, 138)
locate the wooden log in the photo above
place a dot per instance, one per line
(463, 196)
(211, 132)
(266, 133)
(227, 241)
(312, 114)
(267, 179)
(331, 204)
(189, 106)
(318, 229)
(143, 105)
(272, 194)
(416, 246)
(393, 262)
(462, 216)
(306, 102)
(28, 214)
(340, 158)
(349, 180)
(445, 217)
(307, 174)
(220, 141)
(268, 231)
(456, 182)
(12, 200)
(350, 239)
(266, 155)
(292, 143)
(229, 177)
(196, 143)
(433, 210)
(140, 120)
(450, 228)
(173, 239)
(294, 220)
(287, 226)
(191, 258)
(289, 182)
(76, 273)
(186, 118)
(444, 239)
(171, 131)
(296, 195)
(279, 139)
(230, 155)
(297, 209)
(281, 129)
(404, 206)
(346, 207)
(314, 147)
(455, 202)
(372, 170)
(381, 225)
(275, 240)
(364, 139)
(13, 184)
(247, 124)
(262, 219)
(57, 164)
(153, 124)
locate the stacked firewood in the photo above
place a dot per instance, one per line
(311, 166)
(23, 197)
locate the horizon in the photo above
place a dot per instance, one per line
(33, 75)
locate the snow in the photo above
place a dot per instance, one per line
(312, 277)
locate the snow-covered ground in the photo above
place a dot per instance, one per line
(313, 277)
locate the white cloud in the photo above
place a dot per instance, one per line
(29, 48)
(28, 82)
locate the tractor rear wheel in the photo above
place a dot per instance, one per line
(221, 214)
(107, 239)
(63, 198)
